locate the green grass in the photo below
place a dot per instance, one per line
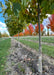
(0, 39)
(44, 39)
(48, 39)
(48, 50)
(4, 46)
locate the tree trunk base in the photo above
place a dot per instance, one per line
(40, 64)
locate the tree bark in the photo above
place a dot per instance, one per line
(18, 35)
(40, 48)
(47, 32)
(18, 39)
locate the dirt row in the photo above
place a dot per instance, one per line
(22, 61)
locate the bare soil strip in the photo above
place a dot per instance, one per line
(23, 61)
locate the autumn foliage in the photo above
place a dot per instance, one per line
(31, 29)
(21, 34)
(16, 35)
(37, 28)
(48, 26)
(51, 25)
(26, 32)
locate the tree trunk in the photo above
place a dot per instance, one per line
(18, 35)
(48, 32)
(40, 49)
(18, 39)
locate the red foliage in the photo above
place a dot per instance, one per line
(31, 29)
(51, 25)
(26, 32)
(37, 28)
(21, 34)
(48, 26)
(16, 35)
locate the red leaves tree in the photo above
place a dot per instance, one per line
(31, 29)
(16, 35)
(51, 25)
(21, 34)
(37, 28)
(26, 32)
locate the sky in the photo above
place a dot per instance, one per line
(1, 14)
(3, 27)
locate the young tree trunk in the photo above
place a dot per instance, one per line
(18, 35)
(47, 32)
(18, 39)
(40, 49)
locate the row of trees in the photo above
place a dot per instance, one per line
(30, 30)
(4, 34)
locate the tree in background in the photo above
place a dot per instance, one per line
(31, 29)
(37, 28)
(5, 34)
(0, 35)
(13, 25)
(26, 32)
(51, 25)
(16, 35)
(21, 34)
(43, 32)
(48, 29)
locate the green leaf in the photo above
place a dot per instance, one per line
(16, 8)
(44, 3)
(52, 6)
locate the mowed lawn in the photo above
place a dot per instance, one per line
(46, 49)
(4, 46)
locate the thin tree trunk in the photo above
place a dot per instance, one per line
(18, 39)
(48, 32)
(40, 49)
(18, 35)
